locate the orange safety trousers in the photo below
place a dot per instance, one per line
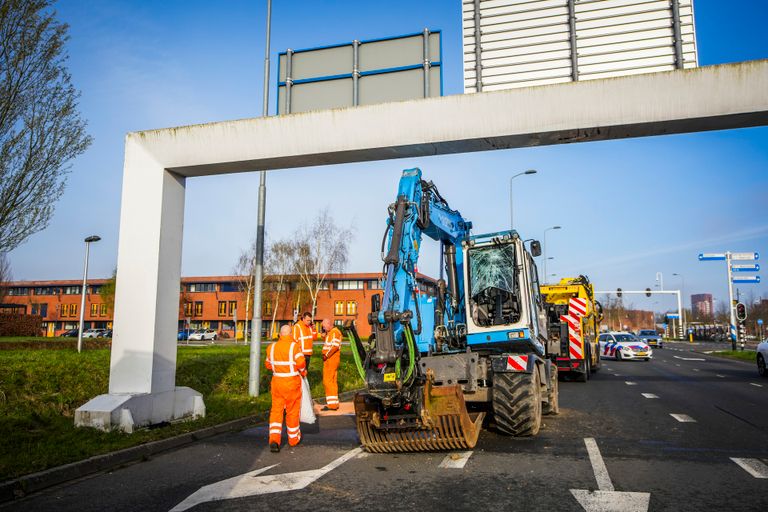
(287, 363)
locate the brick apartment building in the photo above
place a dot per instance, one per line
(702, 305)
(207, 302)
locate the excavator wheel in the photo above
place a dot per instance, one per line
(517, 403)
(553, 394)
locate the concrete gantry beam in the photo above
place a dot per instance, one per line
(157, 162)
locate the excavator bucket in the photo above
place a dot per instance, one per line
(445, 424)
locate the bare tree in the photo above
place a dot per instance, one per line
(40, 128)
(322, 248)
(245, 270)
(279, 262)
(5, 275)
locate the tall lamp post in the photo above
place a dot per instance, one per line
(92, 238)
(682, 310)
(545, 246)
(511, 198)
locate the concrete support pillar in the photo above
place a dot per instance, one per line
(143, 361)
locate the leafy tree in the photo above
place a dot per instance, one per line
(41, 130)
(107, 292)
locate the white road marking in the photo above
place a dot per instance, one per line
(677, 364)
(754, 384)
(455, 460)
(754, 467)
(617, 375)
(696, 369)
(249, 484)
(630, 383)
(649, 395)
(683, 418)
(689, 358)
(607, 499)
(721, 376)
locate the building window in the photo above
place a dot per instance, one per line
(18, 291)
(201, 287)
(71, 290)
(95, 288)
(229, 286)
(198, 308)
(232, 307)
(338, 307)
(69, 310)
(94, 310)
(351, 307)
(349, 285)
(267, 307)
(102, 310)
(324, 286)
(374, 284)
(45, 290)
(338, 323)
(222, 308)
(188, 309)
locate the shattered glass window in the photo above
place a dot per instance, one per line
(492, 267)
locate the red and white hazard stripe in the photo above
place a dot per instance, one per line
(517, 363)
(577, 307)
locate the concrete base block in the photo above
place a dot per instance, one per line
(127, 411)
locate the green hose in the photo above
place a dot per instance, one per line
(356, 357)
(411, 354)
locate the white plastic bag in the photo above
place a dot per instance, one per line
(307, 414)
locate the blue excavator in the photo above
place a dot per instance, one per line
(438, 367)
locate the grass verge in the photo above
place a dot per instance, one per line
(40, 390)
(745, 355)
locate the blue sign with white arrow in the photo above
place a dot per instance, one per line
(709, 256)
(745, 267)
(746, 279)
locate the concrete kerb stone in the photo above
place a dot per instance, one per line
(34, 482)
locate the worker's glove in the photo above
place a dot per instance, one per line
(325, 358)
(303, 373)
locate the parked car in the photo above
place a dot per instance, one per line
(762, 357)
(107, 333)
(93, 333)
(72, 333)
(203, 335)
(623, 345)
(182, 336)
(651, 338)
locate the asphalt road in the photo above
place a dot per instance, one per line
(633, 444)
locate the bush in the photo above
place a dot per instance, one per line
(21, 325)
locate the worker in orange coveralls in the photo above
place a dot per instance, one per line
(304, 333)
(285, 359)
(331, 358)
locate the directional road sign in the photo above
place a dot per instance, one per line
(759, 321)
(710, 256)
(745, 267)
(673, 315)
(749, 256)
(746, 279)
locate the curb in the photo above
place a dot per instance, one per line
(34, 482)
(25, 485)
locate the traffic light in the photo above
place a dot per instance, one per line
(647, 292)
(618, 292)
(741, 311)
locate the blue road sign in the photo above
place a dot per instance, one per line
(745, 267)
(759, 321)
(746, 279)
(673, 315)
(709, 256)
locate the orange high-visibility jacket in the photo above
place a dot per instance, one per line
(332, 346)
(304, 336)
(285, 359)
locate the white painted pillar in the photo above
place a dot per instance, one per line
(143, 360)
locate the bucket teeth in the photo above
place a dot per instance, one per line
(446, 435)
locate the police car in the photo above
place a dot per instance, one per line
(623, 345)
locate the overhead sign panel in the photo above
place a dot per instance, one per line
(360, 73)
(537, 42)
(747, 256)
(709, 256)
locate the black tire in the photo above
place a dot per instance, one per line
(617, 355)
(553, 394)
(517, 403)
(761, 370)
(584, 377)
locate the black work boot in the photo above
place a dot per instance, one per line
(274, 448)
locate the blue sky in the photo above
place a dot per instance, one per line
(629, 208)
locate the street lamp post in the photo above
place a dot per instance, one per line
(682, 312)
(545, 246)
(92, 238)
(511, 201)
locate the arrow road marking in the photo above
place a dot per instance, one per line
(689, 358)
(683, 418)
(249, 484)
(649, 395)
(752, 466)
(606, 499)
(455, 460)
